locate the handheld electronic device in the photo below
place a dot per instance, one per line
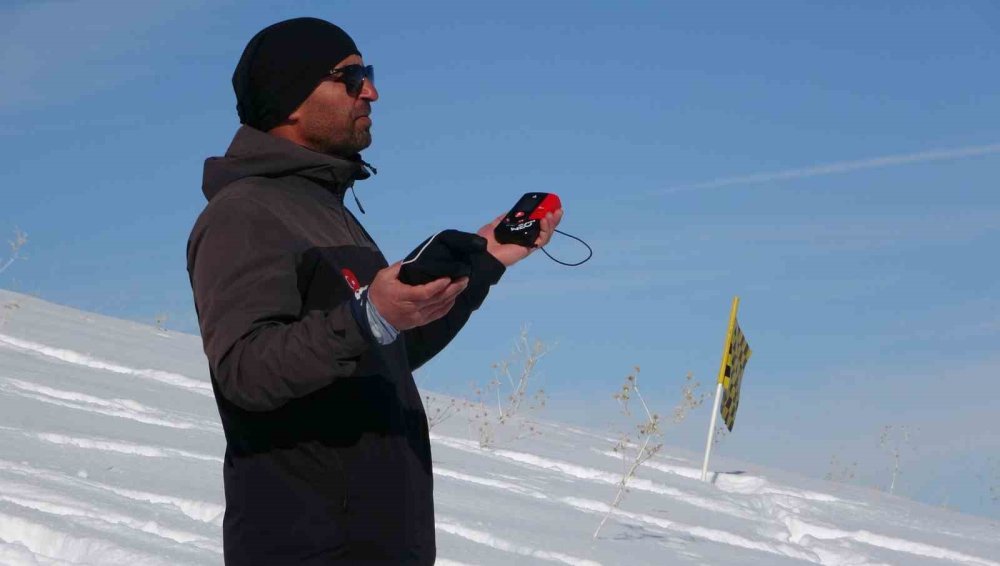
(523, 223)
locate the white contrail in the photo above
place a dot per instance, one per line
(842, 167)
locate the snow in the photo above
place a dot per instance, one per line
(111, 451)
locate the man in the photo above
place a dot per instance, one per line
(310, 336)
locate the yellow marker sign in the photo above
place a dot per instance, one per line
(734, 359)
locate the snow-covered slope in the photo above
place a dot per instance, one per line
(111, 452)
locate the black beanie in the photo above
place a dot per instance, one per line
(281, 66)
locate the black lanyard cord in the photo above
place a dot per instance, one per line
(590, 252)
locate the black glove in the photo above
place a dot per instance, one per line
(446, 254)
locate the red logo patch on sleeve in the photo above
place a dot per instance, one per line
(352, 280)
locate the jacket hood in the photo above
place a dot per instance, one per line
(254, 153)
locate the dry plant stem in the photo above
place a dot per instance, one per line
(623, 485)
(720, 434)
(839, 471)
(20, 238)
(440, 415)
(647, 430)
(643, 401)
(995, 487)
(895, 450)
(992, 478)
(690, 399)
(499, 406)
(8, 307)
(508, 406)
(518, 389)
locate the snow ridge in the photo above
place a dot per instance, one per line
(76, 358)
(202, 511)
(449, 525)
(120, 447)
(123, 408)
(800, 529)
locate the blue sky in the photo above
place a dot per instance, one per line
(834, 165)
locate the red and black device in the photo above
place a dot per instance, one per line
(524, 222)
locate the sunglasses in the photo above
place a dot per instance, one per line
(353, 77)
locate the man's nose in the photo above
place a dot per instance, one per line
(368, 91)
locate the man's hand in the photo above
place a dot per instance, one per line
(509, 254)
(409, 306)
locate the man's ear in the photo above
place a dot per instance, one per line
(294, 117)
(282, 129)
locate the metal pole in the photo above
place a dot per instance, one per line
(711, 431)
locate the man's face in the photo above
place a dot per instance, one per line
(332, 121)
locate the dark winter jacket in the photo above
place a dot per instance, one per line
(328, 455)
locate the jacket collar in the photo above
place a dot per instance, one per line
(254, 153)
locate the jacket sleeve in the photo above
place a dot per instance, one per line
(262, 350)
(424, 342)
